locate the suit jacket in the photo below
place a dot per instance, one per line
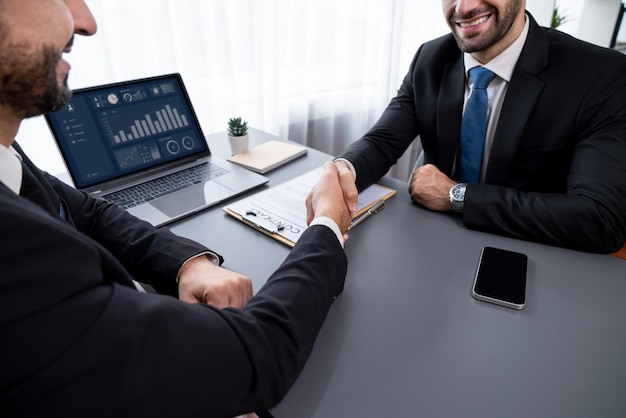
(557, 169)
(150, 255)
(76, 338)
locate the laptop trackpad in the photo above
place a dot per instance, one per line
(192, 198)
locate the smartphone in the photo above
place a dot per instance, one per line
(501, 278)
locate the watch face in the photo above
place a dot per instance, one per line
(458, 192)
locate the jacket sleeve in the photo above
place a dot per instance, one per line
(151, 255)
(382, 146)
(572, 194)
(81, 345)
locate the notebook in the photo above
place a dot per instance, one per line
(268, 156)
(138, 144)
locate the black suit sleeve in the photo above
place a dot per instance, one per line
(557, 166)
(427, 104)
(373, 154)
(80, 344)
(566, 183)
(151, 255)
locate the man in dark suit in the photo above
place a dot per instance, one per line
(76, 337)
(554, 159)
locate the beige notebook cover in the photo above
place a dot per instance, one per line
(268, 156)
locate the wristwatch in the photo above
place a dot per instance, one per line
(457, 197)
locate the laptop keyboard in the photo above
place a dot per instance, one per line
(153, 189)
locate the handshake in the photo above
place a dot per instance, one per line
(334, 196)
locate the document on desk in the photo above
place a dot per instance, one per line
(280, 212)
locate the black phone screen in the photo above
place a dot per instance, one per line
(501, 277)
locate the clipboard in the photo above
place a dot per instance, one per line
(263, 226)
(280, 211)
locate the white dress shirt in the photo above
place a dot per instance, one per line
(10, 169)
(502, 66)
(328, 222)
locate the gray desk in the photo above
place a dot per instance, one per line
(406, 339)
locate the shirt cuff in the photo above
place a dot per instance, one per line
(350, 165)
(213, 258)
(328, 222)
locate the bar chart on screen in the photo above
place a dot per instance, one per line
(163, 117)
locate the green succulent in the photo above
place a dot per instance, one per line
(558, 18)
(237, 127)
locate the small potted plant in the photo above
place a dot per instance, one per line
(238, 135)
(558, 18)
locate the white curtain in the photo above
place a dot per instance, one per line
(316, 72)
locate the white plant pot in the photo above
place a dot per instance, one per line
(238, 144)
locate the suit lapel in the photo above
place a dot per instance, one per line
(521, 96)
(112, 269)
(449, 113)
(38, 190)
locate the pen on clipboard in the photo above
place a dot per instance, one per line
(380, 205)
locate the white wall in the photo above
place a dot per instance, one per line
(598, 21)
(591, 20)
(541, 10)
(594, 17)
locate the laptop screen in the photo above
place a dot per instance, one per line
(109, 131)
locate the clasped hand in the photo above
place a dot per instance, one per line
(428, 187)
(327, 199)
(202, 281)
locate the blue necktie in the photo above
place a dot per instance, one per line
(474, 126)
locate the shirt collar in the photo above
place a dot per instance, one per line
(504, 64)
(10, 169)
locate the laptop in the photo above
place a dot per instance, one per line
(138, 144)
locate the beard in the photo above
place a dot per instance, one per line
(497, 31)
(31, 86)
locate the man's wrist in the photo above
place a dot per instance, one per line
(330, 223)
(457, 197)
(342, 162)
(211, 256)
